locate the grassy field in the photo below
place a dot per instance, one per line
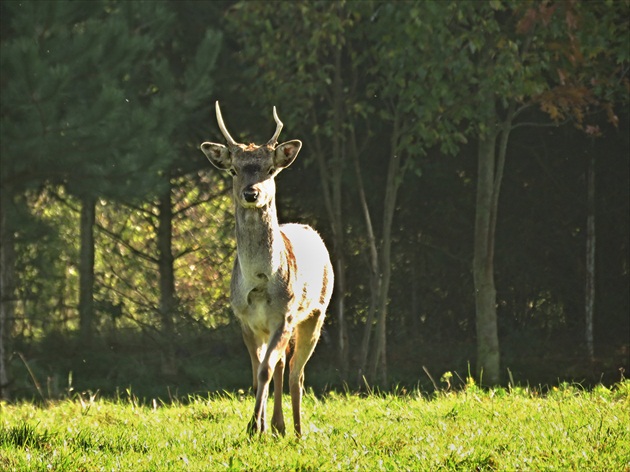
(566, 428)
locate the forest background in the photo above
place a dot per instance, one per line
(467, 164)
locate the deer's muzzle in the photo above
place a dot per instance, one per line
(250, 194)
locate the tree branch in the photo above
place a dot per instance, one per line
(209, 198)
(540, 125)
(119, 239)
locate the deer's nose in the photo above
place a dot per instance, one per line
(250, 194)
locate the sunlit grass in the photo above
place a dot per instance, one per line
(567, 428)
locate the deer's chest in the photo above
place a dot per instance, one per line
(261, 320)
(258, 308)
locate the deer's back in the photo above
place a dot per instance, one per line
(313, 274)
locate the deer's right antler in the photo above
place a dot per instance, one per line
(222, 127)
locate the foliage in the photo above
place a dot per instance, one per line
(202, 248)
(340, 73)
(69, 74)
(126, 293)
(112, 108)
(425, 77)
(569, 428)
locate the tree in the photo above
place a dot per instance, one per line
(7, 290)
(485, 64)
(591, 61)
(161, 258)
(181, 82)
(91, 103)
(410, 106)
(66, 69)
(440, 74)
(323, 68)
(327, 66)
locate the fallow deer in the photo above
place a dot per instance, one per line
(282, 278)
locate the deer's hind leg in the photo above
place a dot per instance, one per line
(277, 420)
(306, 337)
(252, 349)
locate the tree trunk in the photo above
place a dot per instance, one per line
(395, 174)
(590, 258)
(379, 364)
(339, 149)
(489, 176)
(331, 183)
(168, 302)
(330, 161)
(86, 270)
(342, 339)
(7, 292)
(414, 310)
(375, 272)
(488, 357)
(375, 290)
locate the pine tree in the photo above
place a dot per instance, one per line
(90, 102)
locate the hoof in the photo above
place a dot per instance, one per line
(252, 427)
(279, 430)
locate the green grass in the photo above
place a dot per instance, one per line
(567, 428)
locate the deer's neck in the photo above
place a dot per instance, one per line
(259, 241)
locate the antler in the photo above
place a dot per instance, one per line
(222, 127)
(274, 139)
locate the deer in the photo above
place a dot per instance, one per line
(282, 277)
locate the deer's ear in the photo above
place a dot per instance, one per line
(217, 154)
(286, 153)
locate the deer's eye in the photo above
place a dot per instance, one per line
(271, 170)
(232, 172)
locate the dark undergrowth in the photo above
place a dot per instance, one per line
(124, 363)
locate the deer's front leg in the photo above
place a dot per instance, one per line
(275, 353)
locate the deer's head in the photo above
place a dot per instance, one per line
(253, 168)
